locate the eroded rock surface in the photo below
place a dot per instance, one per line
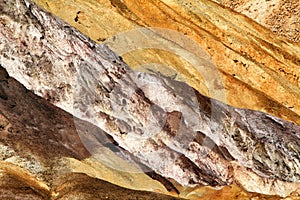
(43, 157)
(280, 16)
(169, 126)
(258, 69)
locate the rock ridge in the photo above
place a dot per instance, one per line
(153, 117)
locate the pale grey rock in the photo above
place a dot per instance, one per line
(168, 125)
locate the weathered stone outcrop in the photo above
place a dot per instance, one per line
(169, 126)
(282, 17)
(259, 70)
(43, 157)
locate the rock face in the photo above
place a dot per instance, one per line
(258, 69)
(38, 144)
(167, 125)
(282, 17)
(36, 138)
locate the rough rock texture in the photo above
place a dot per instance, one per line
(39, 144)
(40, 149)
(259, 70)
(167, 125)
(280, 16)
(80, 186)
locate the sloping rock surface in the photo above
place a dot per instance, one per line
(257, 69)
(282, 17)
(169, 126)
(36, 140)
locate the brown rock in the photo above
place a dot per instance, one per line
(132, 107)
(74, 186)
(282, 17)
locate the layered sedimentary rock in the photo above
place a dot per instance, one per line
(167, 125)
(282, 17)
(258, 69)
